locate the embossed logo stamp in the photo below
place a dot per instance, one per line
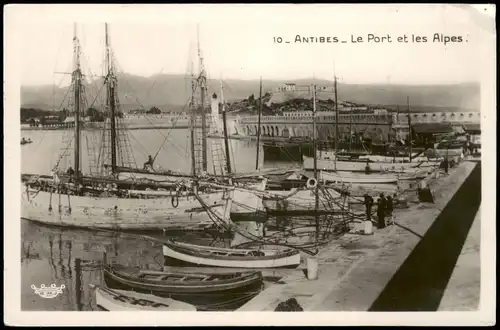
(48, 292)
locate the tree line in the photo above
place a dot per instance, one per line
(30, 114)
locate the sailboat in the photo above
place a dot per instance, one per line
(246, 216)
(102, 201)
(300, 198)
(334, 163)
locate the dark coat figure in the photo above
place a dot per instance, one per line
(381, 211)
(149, 162)
(445, 164)
(368, 206)
(389, 207)
(70, 171)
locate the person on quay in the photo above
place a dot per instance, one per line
(368, 206)
(381, 209)
(390, 208)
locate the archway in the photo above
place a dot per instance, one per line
(285, 133)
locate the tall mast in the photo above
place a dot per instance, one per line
(226, 138)
(350, 125)
(336, 123)
(409, 124)
(192, 125)
(315, 168)
(258, 126)
(77, 76)
(203, 87)
(111, 81)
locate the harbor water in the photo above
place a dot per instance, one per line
(58, 256)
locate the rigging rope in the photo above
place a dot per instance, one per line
(142, 106)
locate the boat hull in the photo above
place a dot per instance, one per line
(287, 151)
(220, 295)
(192, 255)
(119, 213)
(121, 300)
(301, 200)
(360, 166)
(357, 177)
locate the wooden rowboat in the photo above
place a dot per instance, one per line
(121, 300)
(224, 291)
(184, 254)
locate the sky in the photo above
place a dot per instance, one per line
(238, 41)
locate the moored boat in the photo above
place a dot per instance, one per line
(361, 165)
(122, 300)
(348, 177)
(205, 291)
(24, 141)
(183, 254)
(297, 200)
(102, 200)
(119, 213)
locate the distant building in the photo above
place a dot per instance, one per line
(71, 119)
(380, 111)
(286, 87)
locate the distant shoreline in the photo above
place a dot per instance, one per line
(99, 128)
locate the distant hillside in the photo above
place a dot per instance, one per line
(171, 93)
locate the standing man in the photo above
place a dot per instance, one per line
(368, 206)
(368, 221)
(390, 208)
(381, 211)
(446, 164)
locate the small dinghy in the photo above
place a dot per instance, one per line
(121, 300)
(225, 291)
(184, 254)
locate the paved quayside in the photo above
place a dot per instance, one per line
(380, 271)
(462, 292)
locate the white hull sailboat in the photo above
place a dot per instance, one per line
(297, 200)
(360, 166)
(52, 203)
(349, 177)
(119, 213)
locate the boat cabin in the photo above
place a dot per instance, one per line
(427, 134)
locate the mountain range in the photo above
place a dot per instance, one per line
(171, 92)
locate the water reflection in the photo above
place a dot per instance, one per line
(52, 255)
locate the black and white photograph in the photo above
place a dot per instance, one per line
(250, 158)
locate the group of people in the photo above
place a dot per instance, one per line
(385, 207)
